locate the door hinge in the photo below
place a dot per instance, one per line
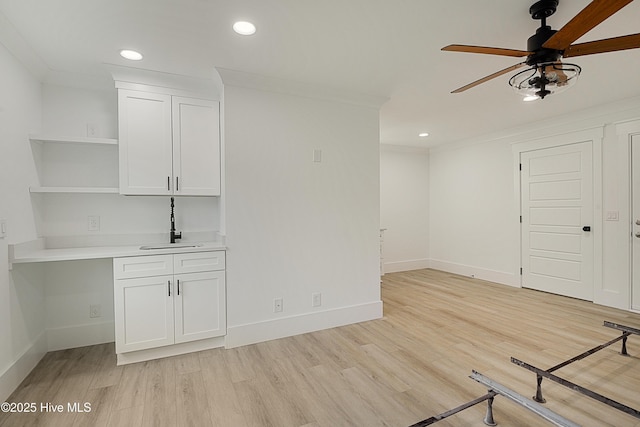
(520, 219)
(521, 271)
(520, 166)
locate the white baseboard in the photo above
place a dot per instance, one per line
(80, 336)
(294, 325)
(509, 279)
(408, 265)
(18, 371)
(169, 350)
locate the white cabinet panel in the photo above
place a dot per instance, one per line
(162, 300)
(198, 261)
(196, 146)
(198, 302)
(142, 266)
(144, 125)
(143, 313)
(168, 144)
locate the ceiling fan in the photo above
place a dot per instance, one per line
(547, 74)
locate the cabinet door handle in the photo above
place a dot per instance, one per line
(169, 286)
(178, 281)
(168, 183)
(177, 186)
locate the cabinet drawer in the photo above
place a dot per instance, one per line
(142, 266)
(198, 261)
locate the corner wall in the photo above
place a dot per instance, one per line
(296, 227)
(471, 212)
(404, 208)
(22, 322)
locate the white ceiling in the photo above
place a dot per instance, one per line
(387, 48)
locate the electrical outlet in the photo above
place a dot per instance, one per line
(316, 299)
(277, 305)
(93, 223)
(92, 130)
(95, 310)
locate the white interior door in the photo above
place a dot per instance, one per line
(635, 217)
(557, 216)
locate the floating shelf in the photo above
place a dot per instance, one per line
(73, 139)
(90, 190)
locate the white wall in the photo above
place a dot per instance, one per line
(21, 294)
(295, 227)
(471, 209)
(404, 207)
(473, 206)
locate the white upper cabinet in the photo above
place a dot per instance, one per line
(168, 144)
(196, 146)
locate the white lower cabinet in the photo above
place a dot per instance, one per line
(199, 311)
(162, 300)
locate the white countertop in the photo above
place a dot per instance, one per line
(36, 252)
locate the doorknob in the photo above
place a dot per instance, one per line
(637, 221)
(586, 228)
(638, 235)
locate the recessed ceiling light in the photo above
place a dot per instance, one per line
(530, 98)
(423, 134)
(244, 28)
(131, 55)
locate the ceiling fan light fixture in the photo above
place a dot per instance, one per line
(544, 79)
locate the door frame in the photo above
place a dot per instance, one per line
(595, 135)
(625, 131)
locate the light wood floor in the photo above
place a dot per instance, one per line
(410, 365)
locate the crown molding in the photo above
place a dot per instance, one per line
(290, 87)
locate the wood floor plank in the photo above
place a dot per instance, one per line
(160, 394)
(223, 403)
(192, 407)
(129, 417)
(101, 401)
(131, 390)
(407, 366)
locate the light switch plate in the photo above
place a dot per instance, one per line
(3, 228)
(317, 156)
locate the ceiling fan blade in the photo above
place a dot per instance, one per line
(486, 50)
(489, 77)
(592, 15)
(632, 41)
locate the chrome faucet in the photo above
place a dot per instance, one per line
(173, 235)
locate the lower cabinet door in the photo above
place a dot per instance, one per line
(200, 309)
(144, 315)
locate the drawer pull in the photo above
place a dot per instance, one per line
(169, 286)
(178, 286)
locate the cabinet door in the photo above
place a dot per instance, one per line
(144, 314)
(196, 147)
(200, 305)
(144, 126)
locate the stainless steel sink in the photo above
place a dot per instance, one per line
(170, 246)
